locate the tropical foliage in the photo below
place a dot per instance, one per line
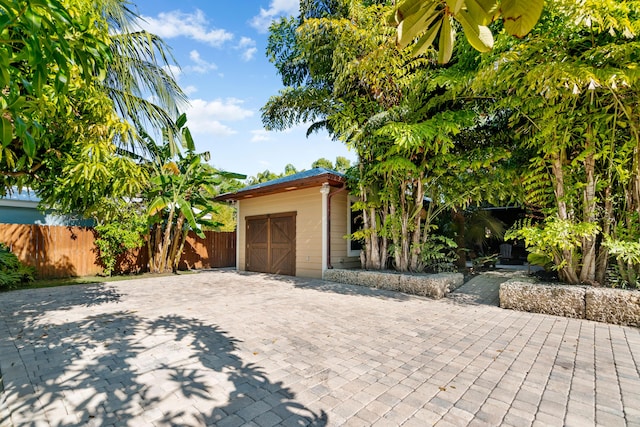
(83, 89)
(342, 164)
(572, 89)
(78, 77)
(402, 116)
(48, 51)
(267, 175)
(12, 271)
(182, 187)
(433, 20)
(549, 121)
(125, 231)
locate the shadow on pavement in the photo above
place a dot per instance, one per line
(339, 288)
(116, 367)
(34, 301)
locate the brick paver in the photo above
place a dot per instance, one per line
(229, 349)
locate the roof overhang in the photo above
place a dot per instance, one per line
(30, 204)
(283, 187)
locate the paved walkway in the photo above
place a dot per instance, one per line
(231, 349)
(484, 288)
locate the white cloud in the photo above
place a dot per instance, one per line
(174, 70)
(276, 9)
(260, 135)
(246, 42)
(200, 65)
(207, 117)
(248, 46)
(192, 25)
(210, 127)
(248, 54)
(190, 90)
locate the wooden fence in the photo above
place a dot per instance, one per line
(59, 251)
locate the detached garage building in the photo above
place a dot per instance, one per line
(295, 225)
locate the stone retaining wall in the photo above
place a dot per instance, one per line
(616, 306)
(428, 285)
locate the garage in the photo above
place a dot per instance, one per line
(271, 243)
(294, 225)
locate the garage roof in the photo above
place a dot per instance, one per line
(305, 179)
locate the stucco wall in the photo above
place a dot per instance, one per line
(308, 205)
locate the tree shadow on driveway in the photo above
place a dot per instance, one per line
(340, 288)
(85, 361)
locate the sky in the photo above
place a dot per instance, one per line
(220, 48)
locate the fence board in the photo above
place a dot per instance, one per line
(215, 250)
(59, 251)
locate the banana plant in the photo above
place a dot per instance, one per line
(181, 192)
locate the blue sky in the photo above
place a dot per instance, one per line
(220, 47)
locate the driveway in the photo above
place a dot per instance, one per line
(228, 349)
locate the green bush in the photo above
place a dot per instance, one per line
(541, 260)
(625, 270)
(549, 242)
(438, 254)
(119, 236)
(12, 272)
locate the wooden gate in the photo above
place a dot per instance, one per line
(271, 244)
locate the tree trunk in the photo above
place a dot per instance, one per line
(415, 261)
(567, 273)
(373, 258)
(161, 248)
(588, 270)
(152, 245)
(176, 259)
(395, 237)
(175, 244)
(459, 221)
(400, 237)
(602, 260)
(635, 183)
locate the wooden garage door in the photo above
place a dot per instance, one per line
(271, 244)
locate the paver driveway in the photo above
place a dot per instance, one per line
(223, 348)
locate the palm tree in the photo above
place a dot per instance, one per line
(137, 81)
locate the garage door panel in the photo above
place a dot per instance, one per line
(257, 260)
(270, 244)
(282, 262)
(282, 230)
(257, 231)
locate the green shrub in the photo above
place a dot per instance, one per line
(12, 272)
(625, 269)
(540, 259)
(438, 254)
(119, 236)
(549, 242)
(485, 261)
